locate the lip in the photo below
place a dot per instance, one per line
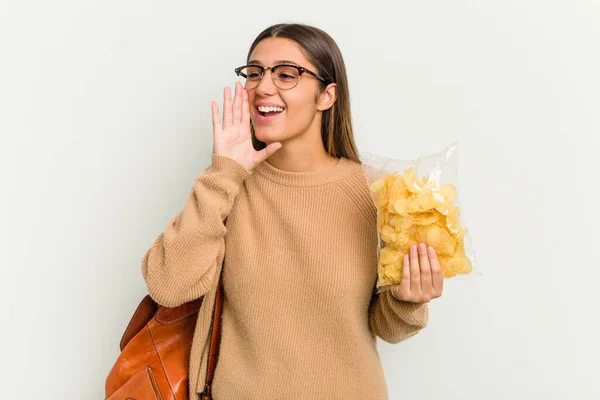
(265, 119)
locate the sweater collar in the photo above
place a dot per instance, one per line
(287, 178)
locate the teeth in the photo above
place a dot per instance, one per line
(270, 109)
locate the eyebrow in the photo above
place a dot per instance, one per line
(276, 62)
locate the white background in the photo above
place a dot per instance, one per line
(105, 123)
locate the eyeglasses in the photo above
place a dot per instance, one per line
(284, 76)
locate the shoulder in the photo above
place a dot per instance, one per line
(355, 175)
(354, 185)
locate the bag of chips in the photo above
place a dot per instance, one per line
(417, 202)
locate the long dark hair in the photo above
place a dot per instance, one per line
(323, 52)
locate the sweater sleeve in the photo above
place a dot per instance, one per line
(180, 265)
(394, 320)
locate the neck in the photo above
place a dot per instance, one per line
(302, 154)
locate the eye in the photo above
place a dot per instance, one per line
(253, 73)
(286, 73)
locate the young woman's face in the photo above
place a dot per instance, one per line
(299, 103)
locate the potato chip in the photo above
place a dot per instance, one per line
(452, 266)
(425, 218)
(421, 234)
(440, 240)
(387, 256)
(402, 222)
(429, 182)
(401, 206)
(411, 181)
(382, 200)
(424, 201)
(389, 181)
(388, 233)
(453, 220)
(398, 189)
(377, 186)
(402, 241)
(447, 193)
(392, 273)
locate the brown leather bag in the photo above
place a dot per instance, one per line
(155, 352)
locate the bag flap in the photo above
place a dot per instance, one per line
(144, 313)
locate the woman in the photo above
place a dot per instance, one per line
(284, 212)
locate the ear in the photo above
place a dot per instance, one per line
(327, 98)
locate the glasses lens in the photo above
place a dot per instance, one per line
(250, 76)
(285, 77)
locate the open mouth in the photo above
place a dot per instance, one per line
(269, 111)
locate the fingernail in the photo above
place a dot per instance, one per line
(422, 247)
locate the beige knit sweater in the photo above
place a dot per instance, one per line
(300, 315)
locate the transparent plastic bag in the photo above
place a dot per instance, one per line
(417, 201)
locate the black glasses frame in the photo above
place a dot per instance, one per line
(301, 70)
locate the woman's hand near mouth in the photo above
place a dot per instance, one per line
(232, 138)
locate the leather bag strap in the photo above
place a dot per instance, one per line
(215, 341)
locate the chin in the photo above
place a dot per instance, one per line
(268, 135)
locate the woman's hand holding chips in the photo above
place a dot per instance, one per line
(422, 278)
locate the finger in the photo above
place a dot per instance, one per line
(437, 277)
(425, 269)
(267, 152)
(237, 102)
(245, 109)
(415, 273)
(227, 112)
(215, 117)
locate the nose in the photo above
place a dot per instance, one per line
(266, 87)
